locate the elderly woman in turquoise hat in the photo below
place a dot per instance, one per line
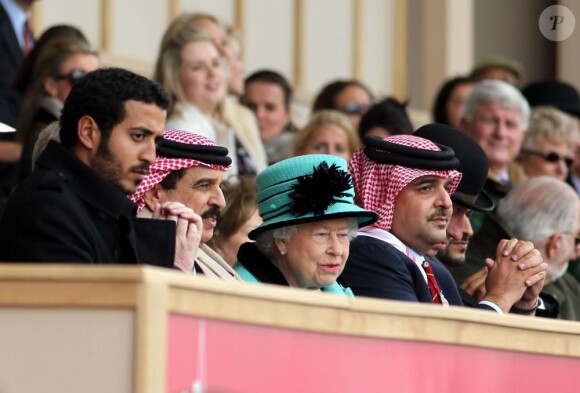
(309, 217)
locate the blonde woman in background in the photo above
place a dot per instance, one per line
(229, 42)
(250, 156)
(327, 132)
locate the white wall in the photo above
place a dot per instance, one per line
(438, 44)
(269, 35)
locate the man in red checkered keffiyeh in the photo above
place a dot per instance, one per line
(408, 180)
(377, 184)
(180, 150)
(188, 173)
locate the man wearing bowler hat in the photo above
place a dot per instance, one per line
(407, 180)
(470, 196)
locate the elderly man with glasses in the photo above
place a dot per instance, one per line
(497, 117)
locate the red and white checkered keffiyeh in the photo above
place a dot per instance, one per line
(165, 165)
(377, 185)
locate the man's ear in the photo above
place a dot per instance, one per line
(89, 133)
(553, 245)
(152, 197)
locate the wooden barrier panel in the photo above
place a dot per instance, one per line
(145, 329)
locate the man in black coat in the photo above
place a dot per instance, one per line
(468, 197)
(74, 206)
(407, 180)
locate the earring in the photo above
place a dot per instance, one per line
(282, 252)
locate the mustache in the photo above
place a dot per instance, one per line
(141, 167)
(440, 212)
(464, 238)
(211, 212)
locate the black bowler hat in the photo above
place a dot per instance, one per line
(472, 164)
(562, 95)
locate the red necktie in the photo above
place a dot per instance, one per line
(27, 34)
(436, 295)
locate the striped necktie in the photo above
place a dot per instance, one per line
(436, 294)
(27, 35)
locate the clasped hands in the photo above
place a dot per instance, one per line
(515, 277)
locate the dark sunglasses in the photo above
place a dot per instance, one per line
(354, 108)
(73, 76)
(550, 156)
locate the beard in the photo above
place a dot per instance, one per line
(110, 168)
(452, 257)
(448, 259)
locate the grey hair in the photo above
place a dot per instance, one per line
(553, 126)
(495, 91)
(538, 208)
(266, 241)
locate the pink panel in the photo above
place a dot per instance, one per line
(248, 358)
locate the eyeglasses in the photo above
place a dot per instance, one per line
(73, 77)
(550, 156)
(354, 108)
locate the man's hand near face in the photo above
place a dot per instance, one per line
(189, 228)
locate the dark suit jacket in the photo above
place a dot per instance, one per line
(377, 269)
(10, 52)
(65, 212)
(566, 290)
(11, 57)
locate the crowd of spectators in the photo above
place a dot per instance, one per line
(201, 169)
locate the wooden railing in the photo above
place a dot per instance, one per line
(66, 328)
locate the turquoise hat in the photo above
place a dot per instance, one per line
(304, 189)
